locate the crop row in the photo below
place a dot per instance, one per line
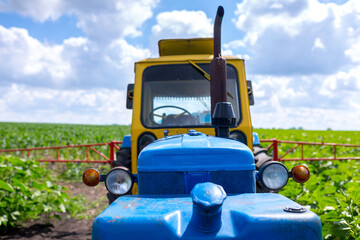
(30, 135)
(25, 135)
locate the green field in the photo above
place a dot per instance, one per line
(351, 137)
(30, 135)
(25, 135)
(332, 191)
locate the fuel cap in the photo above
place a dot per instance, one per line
(207, 206)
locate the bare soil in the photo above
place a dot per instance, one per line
(67, 228)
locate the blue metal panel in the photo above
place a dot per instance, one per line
(256, 140)
(246, 216)
(161, 183)
(195, 153)
(235, 181)
(126, 141)
(182, 182)
(192, 178)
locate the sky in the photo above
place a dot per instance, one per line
(66, 61)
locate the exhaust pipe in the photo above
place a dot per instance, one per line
(217, 31)
(218, 65)
(222, 112)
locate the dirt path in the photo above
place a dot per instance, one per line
(67, 228)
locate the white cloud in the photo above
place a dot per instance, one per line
(257, 16)
(303, 59)
(308, 118)
(121, 55)
(318, 44)
(25, 59)
(307, 101)
(75, 81)
(76, 63)
(101, 21)
(108, 20)
(37, 104)
(182, 24)
(298, 37)
(235, 44)
(39, 10)
(342, 83)
(103, 58)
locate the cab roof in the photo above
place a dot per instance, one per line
(186, 46)
(184, 49)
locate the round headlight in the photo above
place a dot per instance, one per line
(273, 175)
(119, 181)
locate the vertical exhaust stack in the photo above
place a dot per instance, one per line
(218, 65)
(222, 112)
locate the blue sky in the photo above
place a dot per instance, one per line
(70, 61)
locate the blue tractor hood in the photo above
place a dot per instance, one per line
(194, 186)
(255, 216)
(195, 152)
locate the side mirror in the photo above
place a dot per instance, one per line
(250, 92)
(130, 96)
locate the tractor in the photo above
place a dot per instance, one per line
(192, 167)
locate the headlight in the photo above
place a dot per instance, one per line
(119, 181)
(273, 175)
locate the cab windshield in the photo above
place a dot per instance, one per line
(178, 95)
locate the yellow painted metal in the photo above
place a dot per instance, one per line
(137, 128)
(186, 46)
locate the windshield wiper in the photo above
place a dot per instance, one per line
(205, 74)
(199, 69)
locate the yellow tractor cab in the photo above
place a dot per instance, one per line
(171, 95)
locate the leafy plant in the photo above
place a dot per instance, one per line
(333, 189)
(72, 172)
(26, 191)
(333, 193)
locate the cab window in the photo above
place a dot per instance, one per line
(178, 95)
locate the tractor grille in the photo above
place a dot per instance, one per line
(233, 182)
(161, 183)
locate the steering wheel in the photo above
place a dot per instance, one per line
(152, 114)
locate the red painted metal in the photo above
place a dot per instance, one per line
(112, 146)
(274, 144)
(276, 149)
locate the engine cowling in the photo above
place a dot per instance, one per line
(175, 164)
